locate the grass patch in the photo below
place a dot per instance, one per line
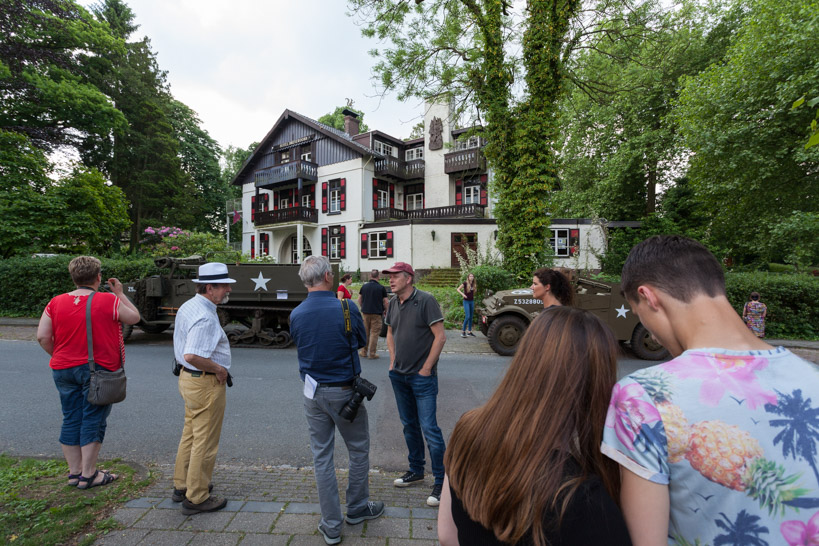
(38, 507)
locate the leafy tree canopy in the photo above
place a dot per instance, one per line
(335, 119)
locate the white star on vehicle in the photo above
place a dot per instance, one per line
(261, 282)
(621, 311)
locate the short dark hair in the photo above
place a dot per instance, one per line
(346, 277)
(203, 288)
(375, 274)
(681, 267)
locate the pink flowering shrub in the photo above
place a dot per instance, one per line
(176, 242)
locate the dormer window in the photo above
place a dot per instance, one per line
(467, 143)
(414, 153)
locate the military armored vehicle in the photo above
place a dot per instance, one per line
(258, 311)
(505, 316)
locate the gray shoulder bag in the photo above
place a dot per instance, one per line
(106, 387)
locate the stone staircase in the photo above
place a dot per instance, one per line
(445, 277)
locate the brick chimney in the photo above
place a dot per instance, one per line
(351, 122)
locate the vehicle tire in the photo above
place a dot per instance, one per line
(505, 334)
(127, 330)
(644, 346)
(153, 328)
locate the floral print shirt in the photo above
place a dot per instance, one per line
(734, 435)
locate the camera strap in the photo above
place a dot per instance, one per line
(348, 330)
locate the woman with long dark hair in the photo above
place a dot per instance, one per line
(551, 287)
(526, 467)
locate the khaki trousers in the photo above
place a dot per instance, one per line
(204, 411)
(372, 323)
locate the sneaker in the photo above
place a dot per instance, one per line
(212, 504)
(470, 334)
(179, 494)
(434, 498)
(374, 509)
(408, 479)
(328, 538)
(463, 334)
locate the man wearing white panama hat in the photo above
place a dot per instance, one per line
(202, 349)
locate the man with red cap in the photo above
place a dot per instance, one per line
(415, 339)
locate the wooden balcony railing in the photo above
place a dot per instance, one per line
(464, 160)
(451, 211)
(292, 214)
(400, 170)
(289, 172)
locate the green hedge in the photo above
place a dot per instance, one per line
(29, 283)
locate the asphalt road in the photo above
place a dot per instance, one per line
(264, 421)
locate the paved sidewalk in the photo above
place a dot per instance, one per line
(272, 506)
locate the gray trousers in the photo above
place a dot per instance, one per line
(322, 420)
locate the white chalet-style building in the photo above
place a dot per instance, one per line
(366, 200)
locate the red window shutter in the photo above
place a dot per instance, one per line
(252, 246)
(574, 241)
(459, 189)
(324, 197)
(312, 192)
(342, 243)
(264, 243)
(324, 250)
(343, 194)
(276, 200)
(483, 196)
(389, 244)
(292, 197)
(375, 194)
(392, 196)
(252, 209)
(484, 178)
(364, 245)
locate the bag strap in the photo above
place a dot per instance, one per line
(348, 330)
(89, 332)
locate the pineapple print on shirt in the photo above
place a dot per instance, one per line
(733, 437)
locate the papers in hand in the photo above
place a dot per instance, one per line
(309, 386)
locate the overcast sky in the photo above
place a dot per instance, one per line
(240, 63)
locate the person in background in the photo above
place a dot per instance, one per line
(343, 292)
(329, 365)
(467, 291)
(718, 445)
(62, 334)
(415, 338)
(551, 287)
(201, 347)
(526, 468)
(754, 314)
(372, 299)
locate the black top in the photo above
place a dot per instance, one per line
(372, 297)
(592, 517)
(469, 295)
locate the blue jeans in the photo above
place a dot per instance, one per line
(83, 423)
(417, 396)
(322, 421)
(469, 312)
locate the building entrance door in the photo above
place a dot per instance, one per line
(460, 242)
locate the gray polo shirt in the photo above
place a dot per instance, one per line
(410, 322)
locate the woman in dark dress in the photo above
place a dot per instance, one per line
(526, 467)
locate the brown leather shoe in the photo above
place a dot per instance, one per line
(212, 504)
(374, 356)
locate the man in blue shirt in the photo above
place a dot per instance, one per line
(328, 364)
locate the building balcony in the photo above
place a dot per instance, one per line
(391, 167)
(452, 211)
(464, 160)
(286, 173)
(284, 216)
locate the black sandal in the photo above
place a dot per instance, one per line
(74, 477)
(88, 483)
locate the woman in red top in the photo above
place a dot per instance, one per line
(342, 291)
(62, 334)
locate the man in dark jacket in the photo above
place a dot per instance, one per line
(372, 299)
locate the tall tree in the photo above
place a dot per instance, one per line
(477, 52)
(335, 119)
(749, 167)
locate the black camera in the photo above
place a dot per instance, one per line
(361, 389)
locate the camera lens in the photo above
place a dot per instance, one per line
(350, 409)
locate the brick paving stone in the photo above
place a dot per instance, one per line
(167, 538)
(296, 524)
(216, 539)
(126, 537)
(387, 527)
(253, 539)
(396, 512)
(302, 508)
(267, 507)
(425, 513)
(424, 528)
(252, 522)
(168, 504)
(208, 521)
(128, 516)
(161, 519)
(144, 502)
